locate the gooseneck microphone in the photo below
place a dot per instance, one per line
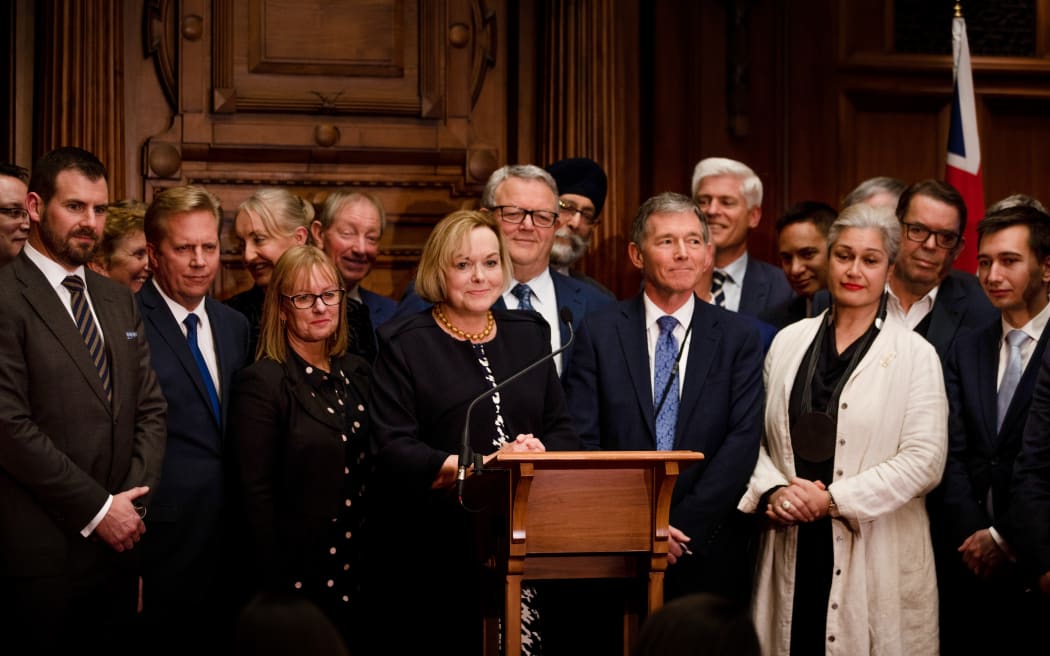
(465, 452)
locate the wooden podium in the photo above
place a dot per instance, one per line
(584, 515)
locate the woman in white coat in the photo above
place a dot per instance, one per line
(855, 436)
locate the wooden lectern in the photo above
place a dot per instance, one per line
(584, 515)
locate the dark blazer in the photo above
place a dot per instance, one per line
(979, 457)
(961, 305)
(610, 397)
(576, 274)
(766, 294)
(797, 309)
(185, 521)
(289, 454)
(579, 297)
(63, 446)
(380, 308)
(1030, 508)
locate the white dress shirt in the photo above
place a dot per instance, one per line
(205, 338)
(734, 284)
(544, 301)
(684, 315)
(916, 313)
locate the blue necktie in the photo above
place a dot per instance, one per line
(89, 331)
(1012, 374)
(524, 295)
(718, 280)
(191, 322)
(666, 352)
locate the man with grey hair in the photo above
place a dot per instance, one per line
(730, 196)
(880, 191)
(664, 371)
(348, 230)
(524, 198)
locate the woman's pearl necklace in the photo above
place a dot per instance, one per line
(474, 337)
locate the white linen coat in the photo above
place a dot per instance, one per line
(890, 451)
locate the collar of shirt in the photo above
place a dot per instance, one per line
(734, 285)
(1034, 329)
(205, 337)
(918, 310)
(180, 313)
(55, 273)
(545, 301)
(684, 315)
(355, 293)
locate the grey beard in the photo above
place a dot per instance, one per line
(563, 255)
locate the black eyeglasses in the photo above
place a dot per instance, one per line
(919, 233)
(14, 212)
(512, 214)
(567, 209)
(307, 301)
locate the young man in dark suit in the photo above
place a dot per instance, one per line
(81, 425)
(989, 377)
(196, 346)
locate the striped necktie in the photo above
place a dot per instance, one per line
(89, 331)
(718, 280)
(524, 294)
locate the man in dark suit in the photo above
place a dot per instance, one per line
(582, 185)
(348, 230)
(989, 379)
(625, 392)
(81, 425)
(525, 199)
(802, 239)
(730, 195)
(196, 346)
(925, 292)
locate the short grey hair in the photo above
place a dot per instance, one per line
(340, 198)
(523, 171)
(872, 186)
(667, 202)
(1016, 200)
(863, 215)
(750, 185)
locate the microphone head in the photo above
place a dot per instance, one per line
(565, 314)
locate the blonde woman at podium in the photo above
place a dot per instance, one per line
(430, 367)
(855, 437)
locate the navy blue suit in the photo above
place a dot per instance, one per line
(981, 458)
(610, 396)
(960, 304)
(1030, 510)
(182, 549)
(380, 308)
(581, 298)
(766, 294)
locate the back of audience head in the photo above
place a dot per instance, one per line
(270, 222)
(802, 236)
(14, 219)
(293, 271)
(1013, 200)
(348, 230)
(881, 191)
(285, 625)
(122, 253)
(700, 625)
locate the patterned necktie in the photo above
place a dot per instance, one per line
(359, 324)
(1012, 375)
(666, 352)
(524, 295)
(191, 322)
(89, 331)
(718, 280)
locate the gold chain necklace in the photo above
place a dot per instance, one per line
(474, 337)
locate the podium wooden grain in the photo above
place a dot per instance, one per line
(582, 515)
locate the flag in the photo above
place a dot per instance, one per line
(963, 169)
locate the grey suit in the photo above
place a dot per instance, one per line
(64, 448)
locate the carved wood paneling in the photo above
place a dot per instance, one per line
(80, 82)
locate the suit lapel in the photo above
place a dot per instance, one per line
(635, 348)
(703, 344)
(306, 398)
(1025, 388)
(163, 322)
(224, 350)
(108, 316)
(944, 317)
(49, 308)
(566, 295)
(987, 373)
(754, 290)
